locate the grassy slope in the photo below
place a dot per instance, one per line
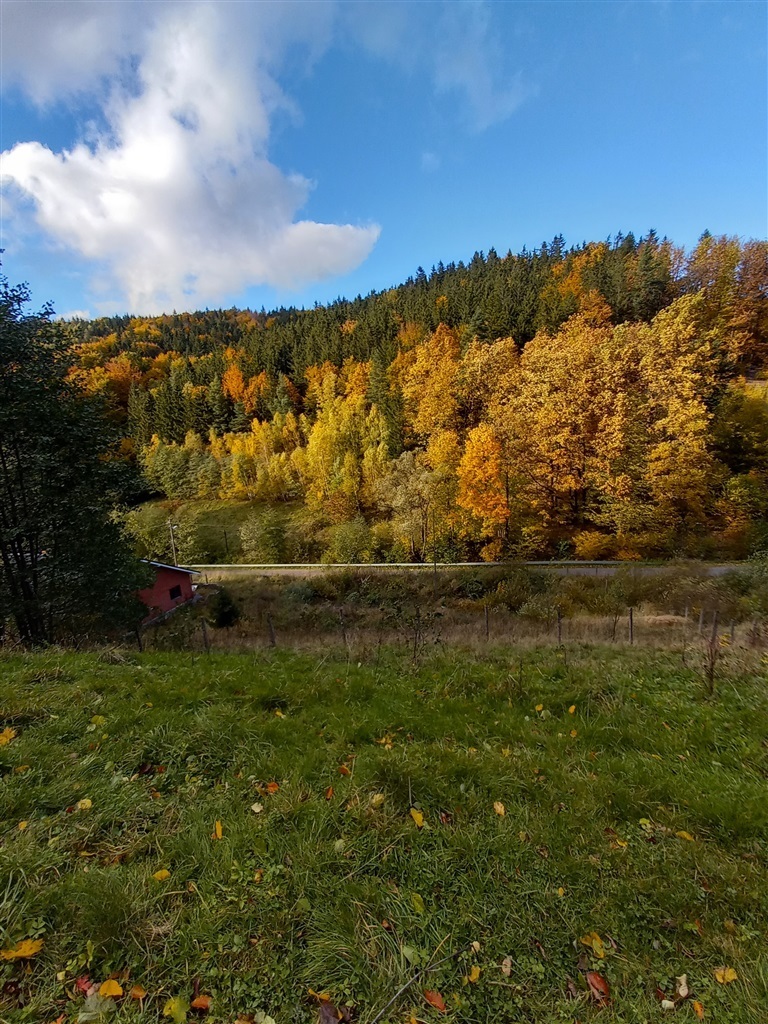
(464, 733)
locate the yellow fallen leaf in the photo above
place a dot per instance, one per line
(574, 734)
(418, 817)
(7, 735)
(176, 1008)
(137, 992)
(21, 768)
(539, 707)
(505, 752)
(572, 709)
(725, 975)
(698, 1009)
(279, 713)
(684, 835)
(111, 988)
(377, 799)
(474, 975)
(561, 891)
(218, 831)
(499, 807)
(22, 825)
(84, 805)
(25, 948)
(595, 943)
(161, 875)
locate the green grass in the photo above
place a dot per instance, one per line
(294, 897)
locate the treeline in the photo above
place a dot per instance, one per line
(599, 401)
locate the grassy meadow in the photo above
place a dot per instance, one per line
(523, 834)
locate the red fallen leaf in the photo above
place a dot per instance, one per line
(661, 996)
(329, 793)
(344, 770)
(83, 983)
(599, 988)
(436, 1000)
(272, 787)
(201, 1003)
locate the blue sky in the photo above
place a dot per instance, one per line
(180, 155)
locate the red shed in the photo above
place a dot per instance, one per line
(172, 587)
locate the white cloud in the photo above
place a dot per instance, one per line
(172, 194)
(178, 198)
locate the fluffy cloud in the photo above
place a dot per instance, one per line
(177, 197)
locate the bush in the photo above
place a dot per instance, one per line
(221, 611)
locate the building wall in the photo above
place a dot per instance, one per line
(158, 597)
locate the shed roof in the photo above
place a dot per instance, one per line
(164, 565)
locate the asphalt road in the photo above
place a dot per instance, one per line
(560, 568)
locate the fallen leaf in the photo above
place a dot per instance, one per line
(344, 770)
(667, 1004)
(22, 950)
(725, 975)
(418, 817)
(96, 1009)
(201, 1003)
(258, 875)
(435, 999)
(84, 805)
(279, 713)
(111, 988)
(377, 799)
(574, 734)
(539, 707)
(572, 709)
(499, 807)
(176, 1008)
(329, 793)
(561, 891)
(417, 903)
(161, 875)
(684, 835)
(474, 975)
(681, 987)
(83, 983)
(137, 992)
(506, 966)
(272, 787)
(698, 1009)
(599, 988)
(595, 943)
(257, 808)
(218, 831)
(22, 825)
(7, 735)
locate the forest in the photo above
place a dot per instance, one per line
(606, 400)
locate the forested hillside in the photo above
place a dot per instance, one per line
(599, 401)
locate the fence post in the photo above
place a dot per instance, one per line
(271, 629)
(206, 644)
(559, 626)
(631, 626)
(701, 621)
(487, 624)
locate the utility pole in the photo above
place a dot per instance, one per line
(171, 528)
